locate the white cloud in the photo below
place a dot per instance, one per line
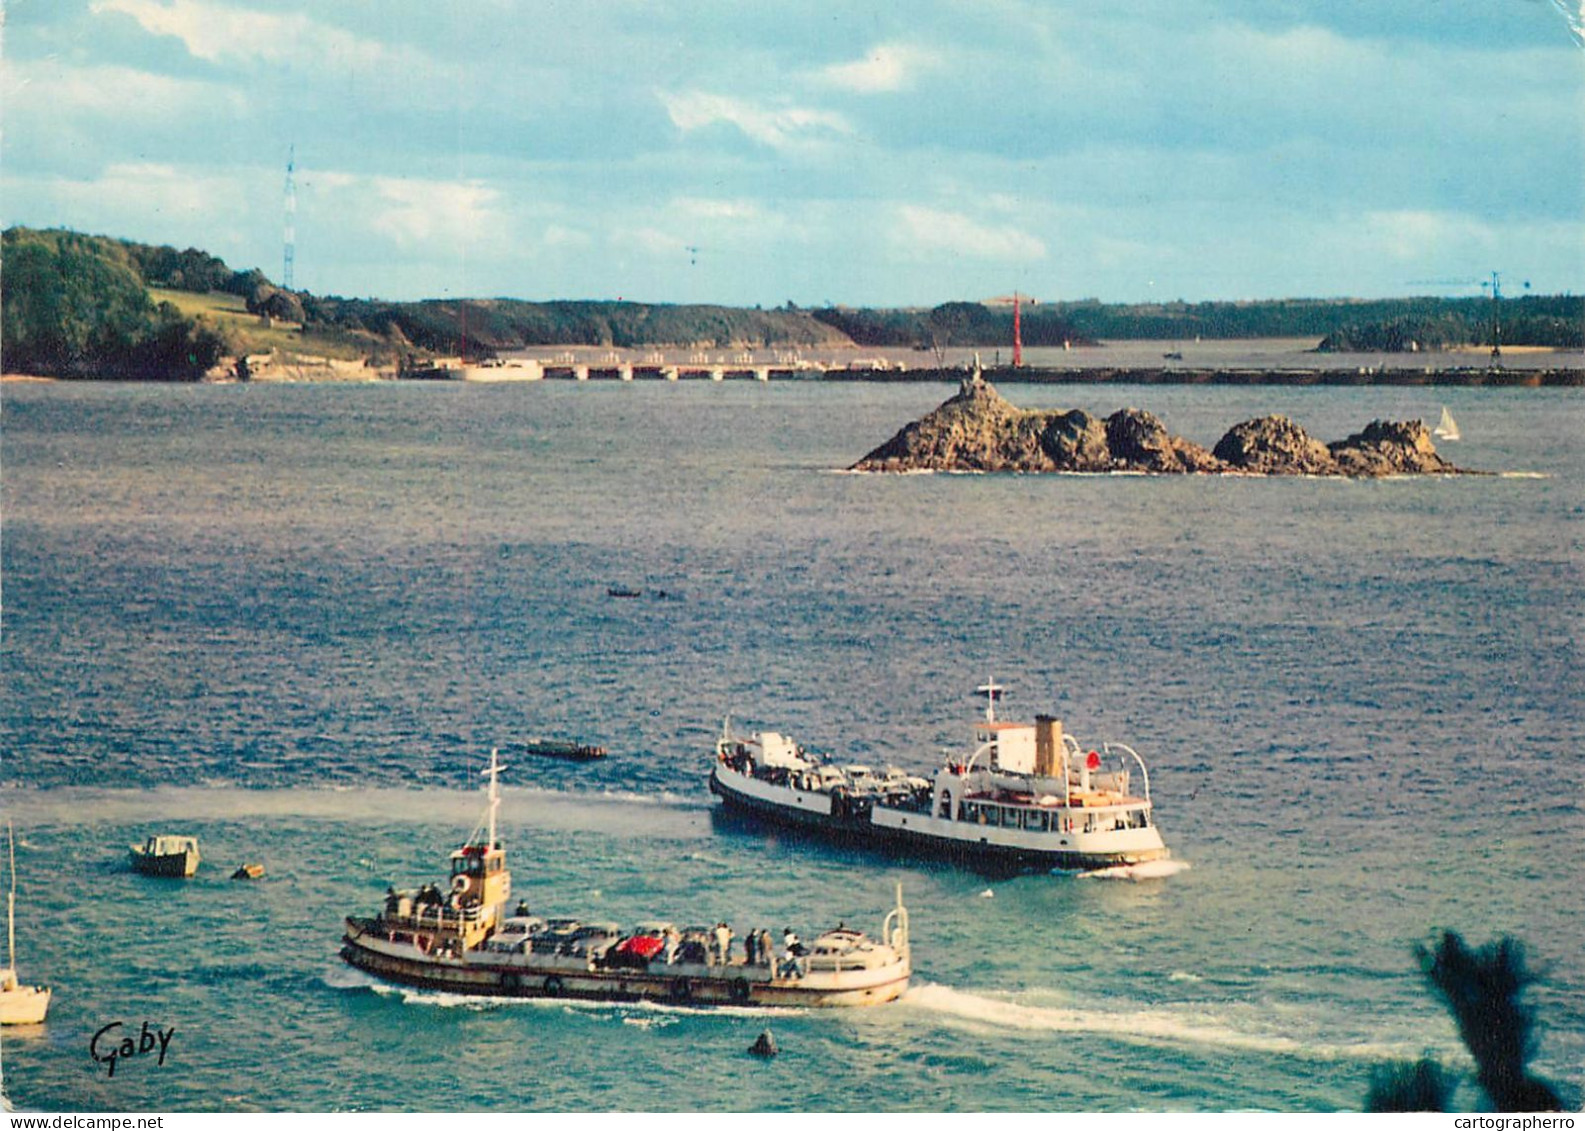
(52, 92)
(886, 68)
(935, 230)
(558, 235)
(705, 208)
(1412, 236)
(782, 127)
(216, 33)
(413, 212)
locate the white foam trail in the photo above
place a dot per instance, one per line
(1149, 870)
(1142, 1026)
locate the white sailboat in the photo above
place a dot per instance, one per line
(19, 1004)
(1447, 427)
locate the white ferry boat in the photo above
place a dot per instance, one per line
(1027, 794)
(462, 940)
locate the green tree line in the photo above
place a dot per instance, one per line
(77, 306)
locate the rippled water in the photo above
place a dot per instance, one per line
(293, 620)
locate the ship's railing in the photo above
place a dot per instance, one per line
(438, 917)
(1144, 774)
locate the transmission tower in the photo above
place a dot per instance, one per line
(291, 220)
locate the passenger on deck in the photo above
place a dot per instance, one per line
(792, 952)
(672, 939)
(751, 948)
(723, 943)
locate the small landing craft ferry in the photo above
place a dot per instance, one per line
(462, 941)
(1027, 794)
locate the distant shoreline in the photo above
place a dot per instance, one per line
(1469, 378)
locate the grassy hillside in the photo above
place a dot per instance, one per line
(249, 333)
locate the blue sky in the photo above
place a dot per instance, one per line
(883, 154)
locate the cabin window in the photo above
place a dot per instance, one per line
(1039, 822)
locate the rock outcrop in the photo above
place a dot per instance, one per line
(1274, 445)
(979, 430)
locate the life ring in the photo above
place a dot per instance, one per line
(423, 943)
(459, 883)
(681, 990)
(738, 990)
(553, 986)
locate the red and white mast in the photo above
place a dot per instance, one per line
(1018, 336)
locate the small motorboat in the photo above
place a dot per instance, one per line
(171, 856)
(564, 749)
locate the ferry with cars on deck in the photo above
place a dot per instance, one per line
(462, 940)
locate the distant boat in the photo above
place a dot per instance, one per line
(1447, 427)
(19, 1004)
(563, 748)
(175, 856)
(622, 591)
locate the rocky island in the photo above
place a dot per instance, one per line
(980, 430)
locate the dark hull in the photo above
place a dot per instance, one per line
(566, 751)
(738, 988)
(857, 831)
(171, 867)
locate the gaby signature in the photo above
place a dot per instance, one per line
(108, 1046)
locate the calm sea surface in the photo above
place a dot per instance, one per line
(293, 620)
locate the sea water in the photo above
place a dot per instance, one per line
(292, 620)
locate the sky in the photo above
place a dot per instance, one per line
(854, 152)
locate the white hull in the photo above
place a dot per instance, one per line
(1054, 846)
(25, 1005)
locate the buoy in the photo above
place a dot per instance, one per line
(765, 1045)
(249, 872)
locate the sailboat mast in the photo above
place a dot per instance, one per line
(11, 902)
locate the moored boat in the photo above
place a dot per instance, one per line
(20, 1004)
(463, 940)
(1026, 794)
(564, 749)
(171, 856)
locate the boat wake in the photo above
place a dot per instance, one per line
(985, 1013)
(1149, 870)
